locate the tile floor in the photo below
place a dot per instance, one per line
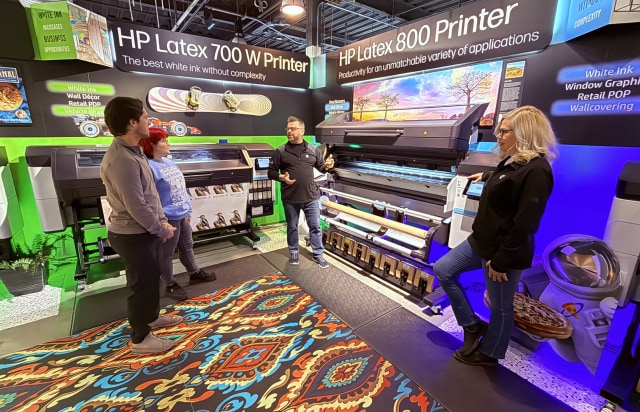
(519, 359)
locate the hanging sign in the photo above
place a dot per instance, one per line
(480, 31)
(65, 31)
(144, 49)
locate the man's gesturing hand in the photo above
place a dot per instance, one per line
(285, 178)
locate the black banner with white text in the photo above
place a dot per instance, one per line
(480, 31)
(144, 49)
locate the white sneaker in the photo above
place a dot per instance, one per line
(164, 321)
(152, 344)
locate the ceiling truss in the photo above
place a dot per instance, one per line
(339, 22)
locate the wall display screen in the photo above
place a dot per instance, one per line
(461, 86)
(262, 163)
(14, 108)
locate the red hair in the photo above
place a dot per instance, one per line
(155, 135)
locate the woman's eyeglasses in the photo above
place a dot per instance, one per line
(502, 132)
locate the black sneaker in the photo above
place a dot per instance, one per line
(294, 259)
(321, 262)
(201, 276)
(175, 291)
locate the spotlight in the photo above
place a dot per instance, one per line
(239, 36)
(292, 7)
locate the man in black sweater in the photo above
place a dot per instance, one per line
(292, 165)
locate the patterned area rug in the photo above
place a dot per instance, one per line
(262, 345)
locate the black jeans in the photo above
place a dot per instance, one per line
(139, 252)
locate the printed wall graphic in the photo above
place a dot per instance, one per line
(593, 98)
(90, 36)
(174, 127)
(511, 91)
(425, 94)
(166, 100)
(514, 70)
(83, 103)
(14, 108)
(335, 106)
(218, 206)
(603, 89)
(214, 207)
(79, 98)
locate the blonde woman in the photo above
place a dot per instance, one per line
(511, 207)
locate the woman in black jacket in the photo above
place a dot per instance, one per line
(511, 207)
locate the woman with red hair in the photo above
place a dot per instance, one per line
(176, 205)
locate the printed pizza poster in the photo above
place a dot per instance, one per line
(14, 108)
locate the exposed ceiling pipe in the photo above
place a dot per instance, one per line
(292, 38)
(193, 15)
(157, 16)
(184, 15)
(395, 26)
(320, 28)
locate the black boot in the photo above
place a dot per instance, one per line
(476, 359)
(472, 335)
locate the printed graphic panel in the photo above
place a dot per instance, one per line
(14, 108)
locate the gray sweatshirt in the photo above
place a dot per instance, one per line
(131, 191)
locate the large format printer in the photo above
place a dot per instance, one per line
(217, 176)
(393, 189)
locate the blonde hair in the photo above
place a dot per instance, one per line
(533, 132)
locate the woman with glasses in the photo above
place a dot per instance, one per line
(511, 207)
(176, 205)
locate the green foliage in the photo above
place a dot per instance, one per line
(28, 257)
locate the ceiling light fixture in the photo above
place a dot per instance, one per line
(292, 7)
(239, 36)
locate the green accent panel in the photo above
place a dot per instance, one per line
(51, 32)
(63, 110)
(31, 221)
(56, 86)
(16, 147)
(4, 293)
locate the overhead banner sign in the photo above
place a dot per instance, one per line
(480, 31)
(577, 17)
(64, 31)
(144, 49)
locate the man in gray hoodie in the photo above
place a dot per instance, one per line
(137, 222)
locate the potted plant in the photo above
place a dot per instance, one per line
(25, 272)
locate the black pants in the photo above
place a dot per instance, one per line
(139, 253)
